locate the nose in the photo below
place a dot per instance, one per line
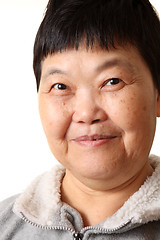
(88, 109)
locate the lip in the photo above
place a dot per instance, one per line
(93, 140)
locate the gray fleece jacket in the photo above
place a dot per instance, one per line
(38, 213)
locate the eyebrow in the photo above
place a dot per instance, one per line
(114, 63)
(104, 66)
(53, 71)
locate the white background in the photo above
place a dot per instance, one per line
(24, 152)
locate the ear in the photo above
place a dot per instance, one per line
(158, 104)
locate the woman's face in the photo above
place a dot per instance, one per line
(98, 110)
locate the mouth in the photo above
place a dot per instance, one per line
(94, 140)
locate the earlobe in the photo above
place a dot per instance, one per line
(158, 105)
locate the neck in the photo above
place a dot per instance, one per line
(95, 205)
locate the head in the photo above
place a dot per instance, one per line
(68, 23)
(96, 65)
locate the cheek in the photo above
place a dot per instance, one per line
(135, 115)
(55, 118)
(132, 111)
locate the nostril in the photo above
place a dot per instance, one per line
(81, 121)
(95, 121)
(92, 122)
(86, 114)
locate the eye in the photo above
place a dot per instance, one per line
(113, 84)
(59, 86)
(113, 81)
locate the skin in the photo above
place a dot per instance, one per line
(98, 110)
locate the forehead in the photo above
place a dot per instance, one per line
(95, 59)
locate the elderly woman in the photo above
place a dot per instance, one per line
(98, 79)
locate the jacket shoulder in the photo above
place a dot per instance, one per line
(8, 201)
(6, 205)
(7, 217)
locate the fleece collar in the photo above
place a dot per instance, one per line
(42, 199)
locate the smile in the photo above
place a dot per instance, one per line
(93, 140)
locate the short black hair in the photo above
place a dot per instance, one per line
(67, 23)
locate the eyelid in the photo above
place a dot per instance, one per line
(114, 87)
(108, 80)
(61, 91)
(59, 83)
